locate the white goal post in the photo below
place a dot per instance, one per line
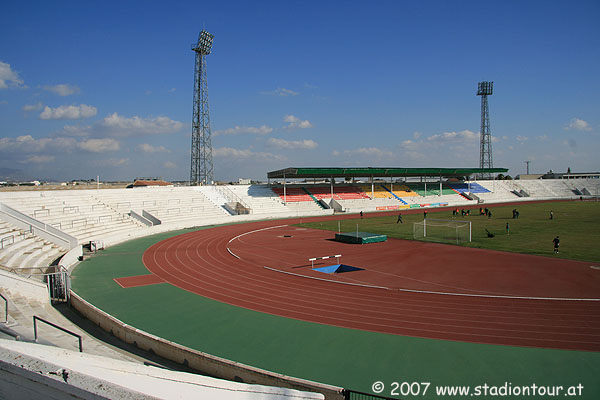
(445, 230)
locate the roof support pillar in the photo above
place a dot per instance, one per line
(284, 191)
(372, 187)
(332, 188)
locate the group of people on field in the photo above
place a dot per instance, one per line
(486, 211)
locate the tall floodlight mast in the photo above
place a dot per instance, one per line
(485, 89)
(202, 163)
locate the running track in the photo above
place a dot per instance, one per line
(507, 306)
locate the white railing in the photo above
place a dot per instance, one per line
(232, 197)
(36, 227)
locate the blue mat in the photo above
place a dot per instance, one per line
(337, 268)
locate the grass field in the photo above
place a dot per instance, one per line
(577, 224)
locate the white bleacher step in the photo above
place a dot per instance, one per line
(16, 247)
(34, 248)
(34, 259)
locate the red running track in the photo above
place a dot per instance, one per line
(406, 288)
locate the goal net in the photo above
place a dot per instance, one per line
(441, 230)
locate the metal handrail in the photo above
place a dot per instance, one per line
(5, 308)
(35, 335)
(231, 196)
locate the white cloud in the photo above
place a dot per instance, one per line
(454, 147)
(522, 138)
(99, 145)
(148, 148)
(462, 136)
(38, 159)
(294, 122)
(366, 152)
(224, 152)
(169, 164)
(238, 130)
(113, 162)
(77, 130)
(69, 112)
(28, 144)
(117, 125)
(63, 89)
(33, 107)
(283, 92)
(9, 77)
(578, 125)
(292, 144)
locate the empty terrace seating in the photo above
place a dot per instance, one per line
(262, 200)
(587, 187)
(292, 194)
(169, 204)
(403, 191)
(468, 187)
(498, 191)
(77, 213)
(339, 192)
(377, 191)
(559, 187)
(430, 189)
(21, 251)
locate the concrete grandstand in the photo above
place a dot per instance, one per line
(43, 232)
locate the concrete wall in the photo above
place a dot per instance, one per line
(203, 362)
(25, 287)
(34, 371)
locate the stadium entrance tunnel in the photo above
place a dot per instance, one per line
(337, 268)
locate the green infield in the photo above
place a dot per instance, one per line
(576, 223)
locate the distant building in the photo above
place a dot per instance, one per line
(561, 175)
(571, 175)
(529, 176)
(244, 181)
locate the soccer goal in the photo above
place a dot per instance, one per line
(442, 230)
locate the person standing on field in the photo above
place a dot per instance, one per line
(556, 242)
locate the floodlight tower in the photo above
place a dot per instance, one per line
(202, 163)
(485, 89)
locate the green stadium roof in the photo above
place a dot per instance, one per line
(332, 172)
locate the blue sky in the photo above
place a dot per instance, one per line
(106, 88)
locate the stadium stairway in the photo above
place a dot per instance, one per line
(313, 197)
(393, 194)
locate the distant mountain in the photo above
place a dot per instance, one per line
(13, 175)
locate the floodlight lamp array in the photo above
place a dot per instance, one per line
(205, 41)
(485, 88)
